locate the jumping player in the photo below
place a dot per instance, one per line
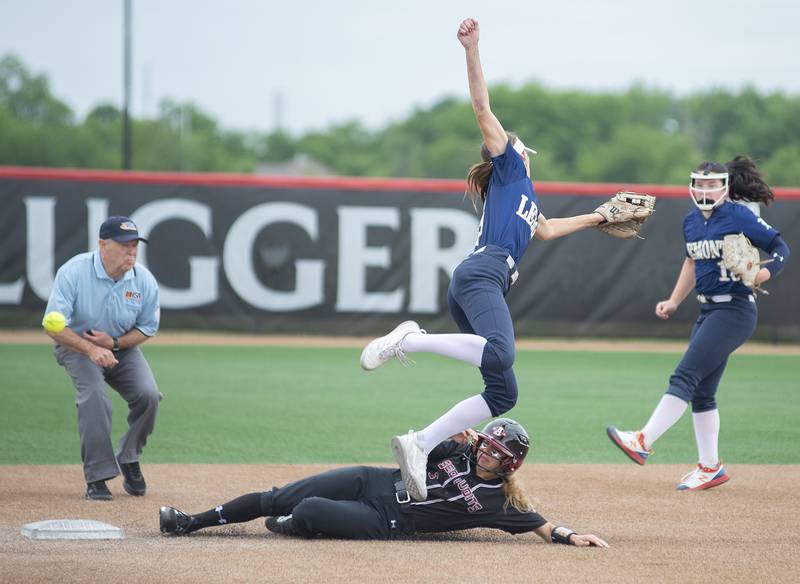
(476, 296)
(728, 311)
(471, 481)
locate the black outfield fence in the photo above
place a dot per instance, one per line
(353, 256)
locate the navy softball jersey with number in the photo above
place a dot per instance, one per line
(728, 314)
(460, 499)
(704, 239)
(511, 210)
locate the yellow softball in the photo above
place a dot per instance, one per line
(54, 322)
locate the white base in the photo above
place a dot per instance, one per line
(71, 529)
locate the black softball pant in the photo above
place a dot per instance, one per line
(348, 503)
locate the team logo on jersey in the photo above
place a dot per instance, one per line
(448, 467)
(132, 297)
(706, 249)
(473, 504)
(528, 213)
(469, 497)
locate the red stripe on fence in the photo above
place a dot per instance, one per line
(334, 183)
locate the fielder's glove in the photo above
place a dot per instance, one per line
(741, 259)
(625, 213)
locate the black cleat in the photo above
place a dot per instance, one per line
(98, 491)
(133, 481)
(175, 522)
(283, 525)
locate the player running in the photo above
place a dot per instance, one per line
(471, 483)
(728, 311)
(476, 296)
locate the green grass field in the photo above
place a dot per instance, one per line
(289, 405)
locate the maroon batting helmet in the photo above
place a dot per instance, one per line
(505, 440)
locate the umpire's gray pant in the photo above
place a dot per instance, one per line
(134, 381)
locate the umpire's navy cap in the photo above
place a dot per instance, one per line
(120, 229)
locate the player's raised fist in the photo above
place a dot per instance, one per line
(468, 32)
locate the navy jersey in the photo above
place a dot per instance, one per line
(511, 209)
(459, 499)
(704, 240)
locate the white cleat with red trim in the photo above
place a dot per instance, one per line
(704, 477)
(631, 443)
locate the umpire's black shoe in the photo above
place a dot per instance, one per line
(175, 522)
(133, 481)
(98, 491)
(283, 525)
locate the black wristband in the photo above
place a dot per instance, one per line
(561, 535)
(115, 348)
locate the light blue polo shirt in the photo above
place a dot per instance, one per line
(89, 299)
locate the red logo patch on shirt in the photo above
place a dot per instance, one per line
(132, 297)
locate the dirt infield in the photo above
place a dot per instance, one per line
(199, 338)
(745, 531)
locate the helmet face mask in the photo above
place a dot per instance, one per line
(505, 441)
(700, 195)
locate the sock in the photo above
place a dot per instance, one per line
(460, 417)
(668, 411)
(706, 433)
(241, 509)
(467, 348)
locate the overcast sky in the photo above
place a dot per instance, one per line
(334, 61)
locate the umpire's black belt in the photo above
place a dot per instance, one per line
(513, 273)
(401, 492)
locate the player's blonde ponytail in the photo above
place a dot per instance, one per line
(515, 494)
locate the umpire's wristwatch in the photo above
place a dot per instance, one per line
(115, 348)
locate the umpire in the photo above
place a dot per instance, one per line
(111, 306)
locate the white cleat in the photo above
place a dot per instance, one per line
(631, 443)
(380, 350)
(413, 464)
(704, 477)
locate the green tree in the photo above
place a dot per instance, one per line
(639, 154)
(639, 135)
(27, 97)
(348, 148)
(278, 147)
(783, 167)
